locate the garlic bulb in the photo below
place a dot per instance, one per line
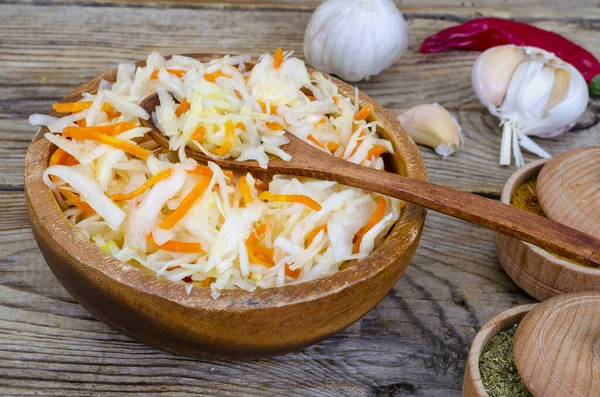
(532, 92)
(355, 39)
(432, 125)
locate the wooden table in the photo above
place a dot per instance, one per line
(413, 343)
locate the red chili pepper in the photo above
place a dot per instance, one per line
(481, 34)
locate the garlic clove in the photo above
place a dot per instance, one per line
(433, 126)
(560, 89)
(494, 70)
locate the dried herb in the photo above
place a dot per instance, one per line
(498, 369)
(525, 197)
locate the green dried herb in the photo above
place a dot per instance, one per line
(498, 369)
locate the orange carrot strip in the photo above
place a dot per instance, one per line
(241, 126)
(76, 107)
(312, 97)
(331, 146)
(212, 77)
(177, 72)
(322, 121)
(336, 99)
(263, 105)
(71, 107)
(262, 229)
(177, 246)
(198, 133)
(110, 112)
(125, 146)
(204, 170)
(245, 189)
(291, 198)
(314, 140)
(375, 218)
(313, 233)
(274, 126)
(364, 112)
(278, 58)
(207, 282)
(228, 144)
(71, 161)
(58, 157)
(109, 129)
(360, 135)
(186, 204)
(250, 245)
(376, 151)
(159, 176)
(263, 253)
(183, 107)
(201, 170)
(81, 123)
(290, 272)
(76, 201)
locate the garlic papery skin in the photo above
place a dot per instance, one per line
(355, 39)
(433, 126)
(544, 96)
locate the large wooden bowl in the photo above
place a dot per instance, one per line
(538, 272)
(238, 324)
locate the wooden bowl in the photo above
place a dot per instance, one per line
(556, 346)
(472, 384)
(539, 273)
(239, 324)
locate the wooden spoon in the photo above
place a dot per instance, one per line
(311, 162)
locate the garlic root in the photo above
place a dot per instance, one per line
(433, 126)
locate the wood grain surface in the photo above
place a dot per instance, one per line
(414, 343)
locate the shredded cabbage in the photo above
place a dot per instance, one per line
(219, 233)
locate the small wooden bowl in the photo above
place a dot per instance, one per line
(539, 273)
(472, 384)
(239, 324)
(556, 346)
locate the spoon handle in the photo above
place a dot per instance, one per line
(542, 232)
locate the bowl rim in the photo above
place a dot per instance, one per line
(46, 215)
(535, 167)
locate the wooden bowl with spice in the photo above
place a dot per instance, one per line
(538, 272)
(546, 349)
(496, 357)
(239, 324)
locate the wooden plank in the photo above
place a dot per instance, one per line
(41, 66)
(535, 9)
(50, 345)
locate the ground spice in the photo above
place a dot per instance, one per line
(498, 369)
(525, 197)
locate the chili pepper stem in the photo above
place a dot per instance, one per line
(594, 86)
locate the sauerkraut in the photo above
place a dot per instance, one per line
(197, 224)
